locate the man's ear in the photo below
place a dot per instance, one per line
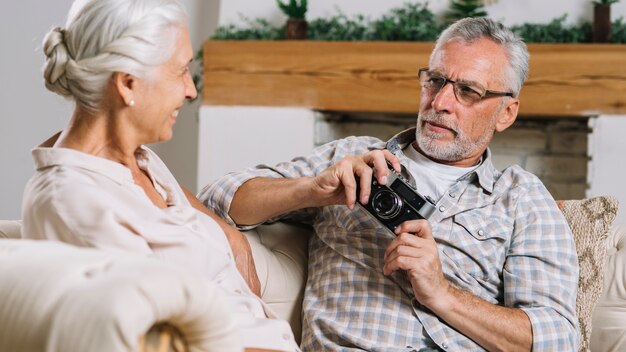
(125, 84)
(507, 115)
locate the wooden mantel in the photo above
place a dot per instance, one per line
(565, 79)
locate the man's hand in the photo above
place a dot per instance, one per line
(338, 183)
(415, 251)
(494, 327)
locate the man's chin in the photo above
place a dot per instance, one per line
(436, 152)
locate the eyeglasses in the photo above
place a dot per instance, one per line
(465, 93)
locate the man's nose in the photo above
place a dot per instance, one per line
(445, 98)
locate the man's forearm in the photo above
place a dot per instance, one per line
(494, 327)
(260, 199)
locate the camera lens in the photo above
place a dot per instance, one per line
(386, 204)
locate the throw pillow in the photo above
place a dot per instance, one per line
(589, 220)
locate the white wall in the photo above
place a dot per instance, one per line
(29, 113)
(235, 138)
(607, 136)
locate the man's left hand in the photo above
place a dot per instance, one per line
(415, 251)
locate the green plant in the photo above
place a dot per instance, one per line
(605, 2)
(554, 32)
(411, 22)
(465, 8)
(340, 27)
(294, 9)
(257, 29)
(618, 31)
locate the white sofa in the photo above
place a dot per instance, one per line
(280, 252)
(59, 298)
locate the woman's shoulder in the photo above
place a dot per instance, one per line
(77, 188)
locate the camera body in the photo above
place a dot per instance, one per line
(396, 202)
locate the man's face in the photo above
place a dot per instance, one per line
(454, 132)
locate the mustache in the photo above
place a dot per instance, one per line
(437, 118)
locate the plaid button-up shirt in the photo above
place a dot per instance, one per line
(500, 236)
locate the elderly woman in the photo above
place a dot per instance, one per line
(125, 64)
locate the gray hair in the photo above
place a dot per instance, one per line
(106, 36)
(471, 29)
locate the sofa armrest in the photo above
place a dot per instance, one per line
(63, 298)
(163, 337)
(10, 229)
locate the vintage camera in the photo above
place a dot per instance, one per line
(397, 201)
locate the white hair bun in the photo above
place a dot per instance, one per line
(57, 58)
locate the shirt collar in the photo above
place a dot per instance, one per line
(45, 157)
(485, 173)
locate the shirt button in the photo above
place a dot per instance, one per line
(238, 292)
(442, 208)
(481, 233)
(286, 337)
(445, 346)
(452, 195)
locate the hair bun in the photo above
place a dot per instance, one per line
(57, 58)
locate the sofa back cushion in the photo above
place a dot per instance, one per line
(589, 220)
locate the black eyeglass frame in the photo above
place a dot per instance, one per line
(487, 93)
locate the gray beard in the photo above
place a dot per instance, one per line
(460, 148)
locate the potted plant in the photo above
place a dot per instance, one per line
(602, 20)
(465, 8)
(295, 11)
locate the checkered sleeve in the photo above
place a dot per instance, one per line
(541, 272)
(219, 195)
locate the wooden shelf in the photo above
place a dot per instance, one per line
(565, 79)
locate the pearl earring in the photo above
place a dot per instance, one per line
(131, 103)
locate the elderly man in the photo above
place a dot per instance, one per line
(493, 268)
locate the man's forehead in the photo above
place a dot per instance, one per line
(477, 61)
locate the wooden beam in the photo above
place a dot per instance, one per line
(565, 79)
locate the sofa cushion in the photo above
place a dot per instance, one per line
(280, 254)
(609, 316)
(589, 220)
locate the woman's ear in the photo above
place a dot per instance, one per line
(508, 114)
(125, 84)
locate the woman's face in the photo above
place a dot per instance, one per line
(160, 96)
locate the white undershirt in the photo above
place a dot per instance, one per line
(432, 178)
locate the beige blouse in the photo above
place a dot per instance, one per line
(90, 201)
